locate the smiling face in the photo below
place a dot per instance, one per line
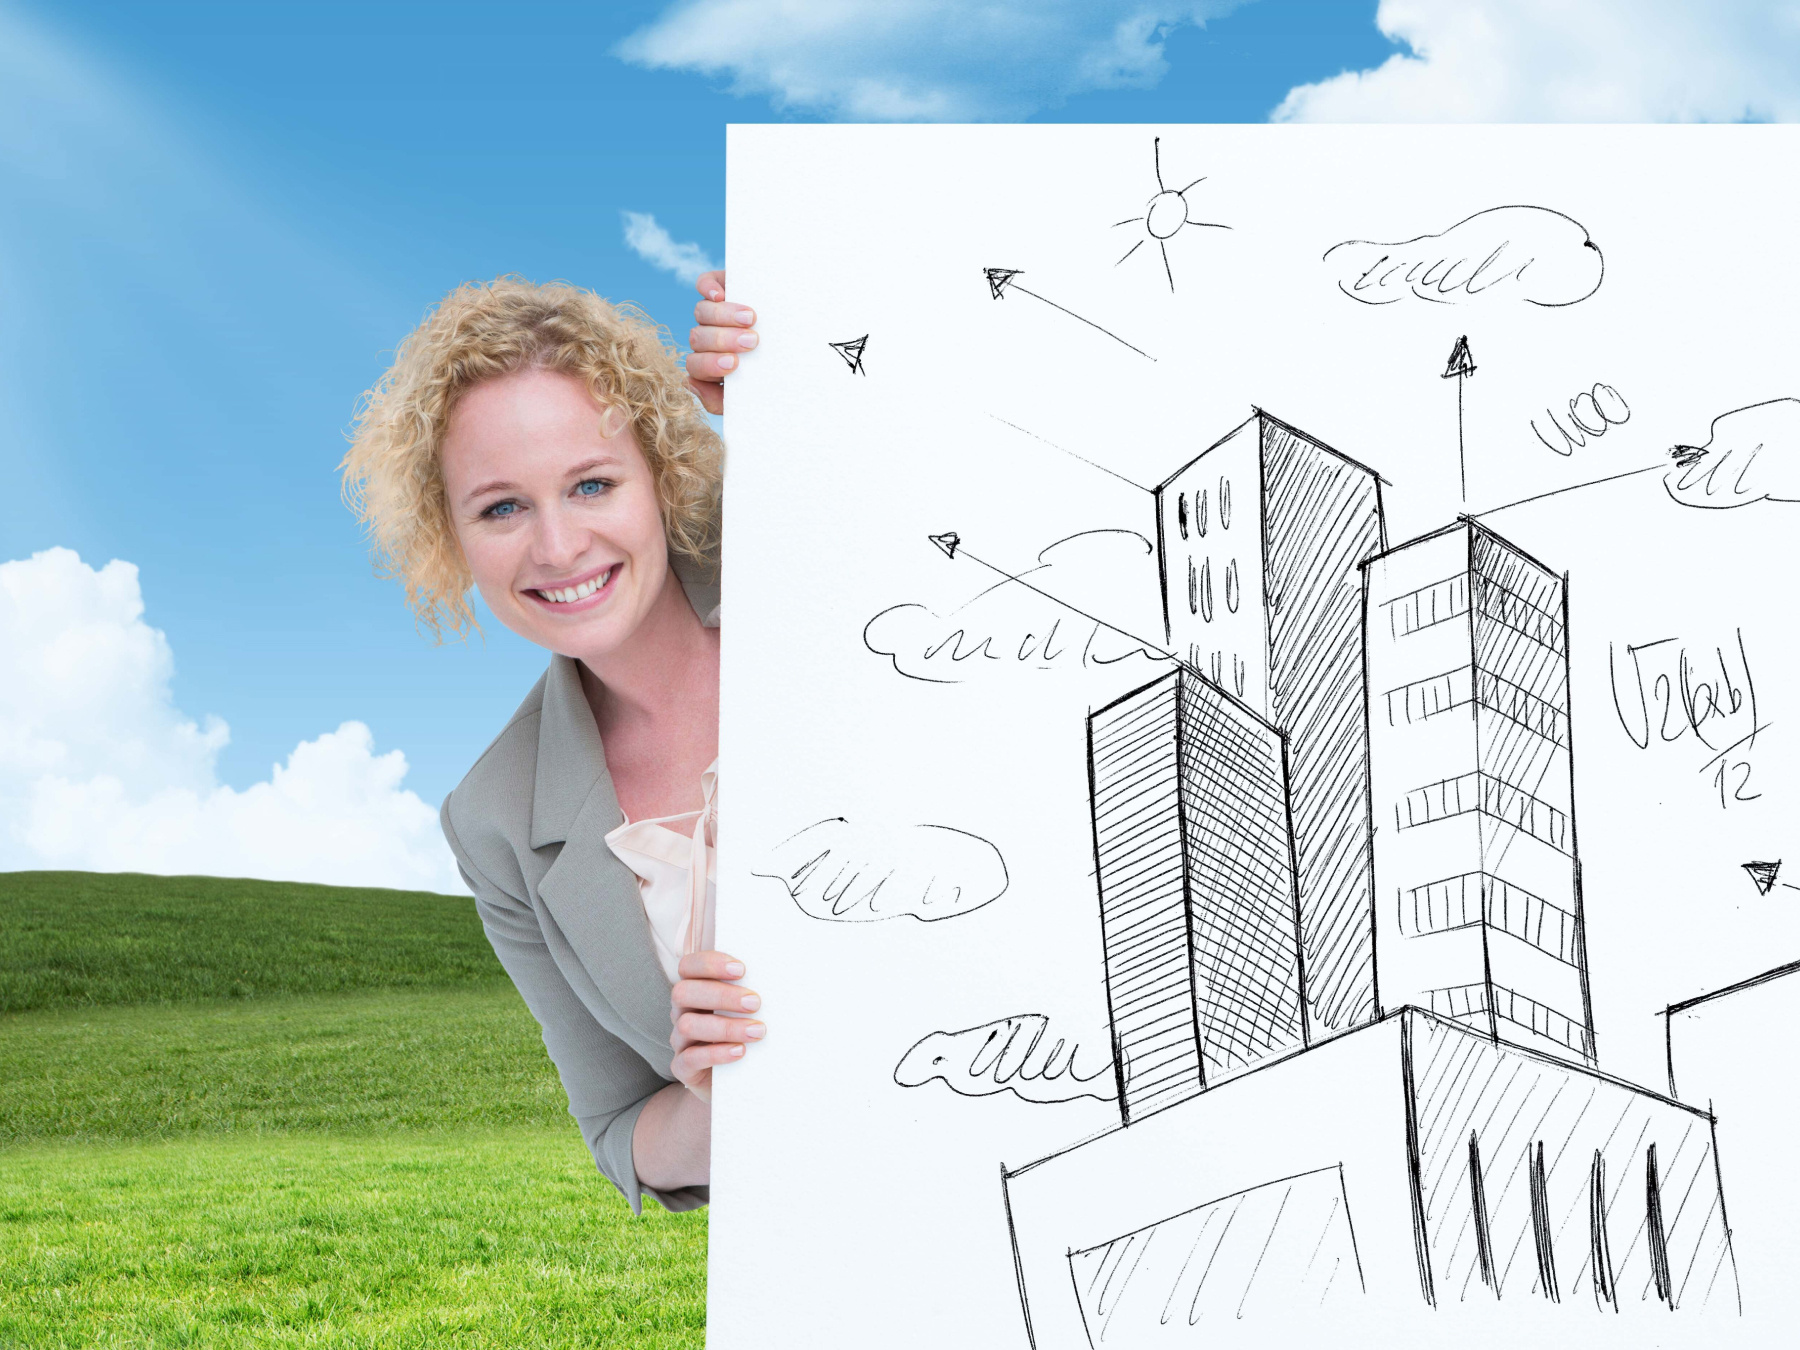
(559, 522)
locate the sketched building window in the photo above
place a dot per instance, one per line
(1181, 513)
(1476, 897)
(1437, 603)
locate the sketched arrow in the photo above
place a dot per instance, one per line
(950, 544)
(1459, 367)
(1004, 281)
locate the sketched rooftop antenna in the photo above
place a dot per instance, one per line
(948, 542)
(852, 352)
(999, 278)
(1763, 874)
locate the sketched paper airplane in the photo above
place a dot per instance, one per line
(852, 352)
(1763, 874)
(999, 278)
(947, 541)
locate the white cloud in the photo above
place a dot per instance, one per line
(657, 246)
(918, 60)
(1551, 60)
(100, 771)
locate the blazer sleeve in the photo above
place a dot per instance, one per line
(607, 1082)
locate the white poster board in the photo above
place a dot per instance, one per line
(1215, 865)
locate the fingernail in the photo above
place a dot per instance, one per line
(746, 340)
(733, 969)
(755, 1031)
(727, 361)
(735, 1051)
(745, 316)
(749, 1003)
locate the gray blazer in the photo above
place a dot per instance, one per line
(528, 826)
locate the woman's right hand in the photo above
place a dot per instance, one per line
(702, 1037)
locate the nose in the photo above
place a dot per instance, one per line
(557, 541)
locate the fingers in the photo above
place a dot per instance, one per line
(711, 285)
(710, 366)
(713, 996)
(710, 966)
(693, 1028)
(710, 315)
(696, 1063)
(721, 339)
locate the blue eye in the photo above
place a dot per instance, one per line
(500, 510)
(590, 487)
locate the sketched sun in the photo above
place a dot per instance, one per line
(1164, 215)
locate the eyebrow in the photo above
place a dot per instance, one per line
(501, 485)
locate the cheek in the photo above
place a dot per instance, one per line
(489, 559)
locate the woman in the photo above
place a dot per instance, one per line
(544, 446)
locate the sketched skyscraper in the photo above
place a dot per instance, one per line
(1478, 908)
(1259, 539)
(1193, 852)
(1301, 1122)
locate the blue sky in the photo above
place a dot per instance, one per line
(217, 218)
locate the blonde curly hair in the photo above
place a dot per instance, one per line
(393, 475)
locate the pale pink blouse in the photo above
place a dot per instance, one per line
(675, 859)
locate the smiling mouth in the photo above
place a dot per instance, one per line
(569, 595)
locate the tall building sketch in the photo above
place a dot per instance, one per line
(1478, 916)
(1259, 540)
(1194, 857)
(1346, 965)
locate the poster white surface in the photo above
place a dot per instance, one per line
(1258, 664)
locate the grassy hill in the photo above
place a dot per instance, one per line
(86, 938)
(246, 1113)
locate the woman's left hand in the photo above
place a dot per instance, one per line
(705, 1034)
(722, 333)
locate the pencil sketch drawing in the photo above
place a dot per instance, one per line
(1526, 253)
(1164, 215)
(1460, 367)
(1753, 455)
(1013, 1054)
(1004, 281)
(1699, 697)
(1272, 736)
(852, 352)
(1204, 1263)
(1336, 862)
(1590, 415)
(1034, 619)
(1765, 876)
(861, 873)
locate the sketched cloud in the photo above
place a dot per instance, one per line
(862, 873)
(918, 60)
(1753, 455)
(1527, 253)
(1551, 61)
(1011, 627)
(1013, 1054)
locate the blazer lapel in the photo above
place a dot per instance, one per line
(593, 897)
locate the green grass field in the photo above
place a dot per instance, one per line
(247, 1114)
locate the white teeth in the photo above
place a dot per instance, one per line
(570, 594)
